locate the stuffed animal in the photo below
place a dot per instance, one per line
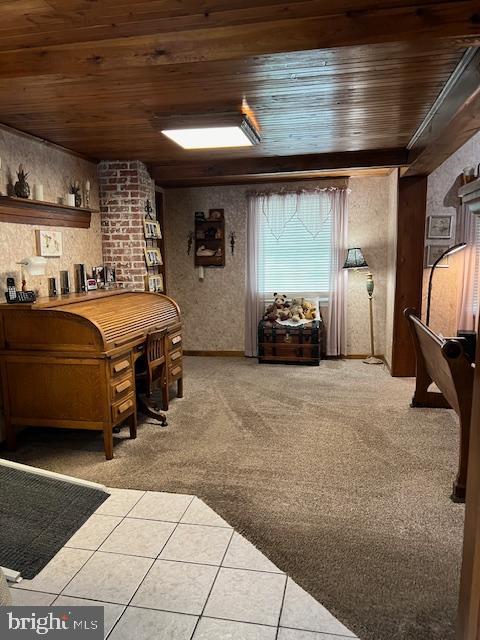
(309, 310)
(278, 310)
(296, 311)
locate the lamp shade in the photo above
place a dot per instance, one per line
(355, 259)
(34, 265)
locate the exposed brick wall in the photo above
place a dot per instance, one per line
(124, 188)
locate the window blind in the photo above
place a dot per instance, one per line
(298, 262)
(476, 277)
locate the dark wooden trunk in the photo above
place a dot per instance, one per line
(290, 345)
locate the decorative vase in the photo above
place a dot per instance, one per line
(78, 199)
(21, 187)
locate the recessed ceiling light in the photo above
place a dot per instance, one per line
(242, 134)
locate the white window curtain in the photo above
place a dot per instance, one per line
(337, 304)
(468, 279)
(296, 243)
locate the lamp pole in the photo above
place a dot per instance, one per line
(370, 287)
(448, 251)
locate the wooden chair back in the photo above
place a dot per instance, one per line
(155, 357)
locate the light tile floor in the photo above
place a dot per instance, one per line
(166, 567)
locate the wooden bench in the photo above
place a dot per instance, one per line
(444, 362)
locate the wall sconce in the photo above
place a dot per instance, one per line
(189, 242)
(232, 241)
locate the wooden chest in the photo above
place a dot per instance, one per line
(294, 345)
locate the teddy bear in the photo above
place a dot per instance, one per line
(296, 311)
(278, 310)
(309, 310)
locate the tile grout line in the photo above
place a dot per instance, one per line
(190, 524)
(153, 562)
(213, 584)
(122, 518)
(134, 504)
(281, 606)
(91, 556)
(201, 564)
(81, 549)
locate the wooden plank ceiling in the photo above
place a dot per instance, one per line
(322, 77)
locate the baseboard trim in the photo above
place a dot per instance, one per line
(362, 356)
(354, 356)
(213, 354)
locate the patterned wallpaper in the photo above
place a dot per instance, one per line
(53, 168)
(442, 199)
(214, 309)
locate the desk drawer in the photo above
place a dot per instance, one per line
(123, 408)
(175, 371)
(174, 340)
(175, 357)
(121, 388)
(121, 366)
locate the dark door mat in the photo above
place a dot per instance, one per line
(38, 515)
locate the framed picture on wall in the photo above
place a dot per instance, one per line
(153, 257)
(154, 283)
(433, 252)
(439, 227)
(49, 243)
(152, 229)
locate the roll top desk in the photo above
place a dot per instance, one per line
(69, 362)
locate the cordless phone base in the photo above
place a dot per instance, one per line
(21, 297)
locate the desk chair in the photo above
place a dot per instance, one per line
(156, 369)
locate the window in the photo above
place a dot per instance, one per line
(476, 283)
(294, 251)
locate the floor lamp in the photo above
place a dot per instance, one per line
(355, 260)
(448, 252)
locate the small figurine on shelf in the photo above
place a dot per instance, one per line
(75, 190)
(22, 188)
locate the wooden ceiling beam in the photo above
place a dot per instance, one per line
(254, 169)
(262, 33)
(451, 122)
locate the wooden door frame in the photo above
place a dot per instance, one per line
(468, 627)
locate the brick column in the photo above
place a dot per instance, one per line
(124, 188)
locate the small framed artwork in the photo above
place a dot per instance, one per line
(99, 274)
(153, 257)
(49, 243)
(154, 283)
(439, 227)
(434, 251)
(152, 229)
(109, 275)
(215, 214)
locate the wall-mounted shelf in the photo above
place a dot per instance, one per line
(23, 211)
(206, 232)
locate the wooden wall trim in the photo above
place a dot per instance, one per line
(183, 174)
(217, 354)
(453, 122)
(412, 202)
(468, 626)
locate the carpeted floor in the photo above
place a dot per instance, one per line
(327, 470)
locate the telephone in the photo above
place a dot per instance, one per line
(14, 296)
